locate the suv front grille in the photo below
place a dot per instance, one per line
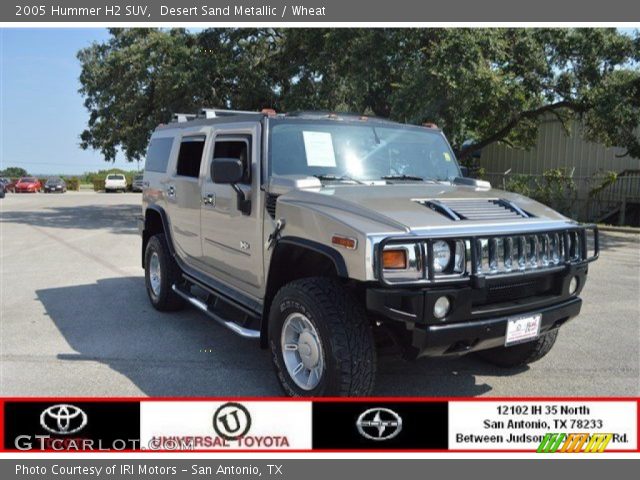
(494, 255)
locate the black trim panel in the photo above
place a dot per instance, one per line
(334, 255)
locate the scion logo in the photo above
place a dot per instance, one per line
(63, 419)
(231, 421)
(379, 424)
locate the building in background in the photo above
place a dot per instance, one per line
(588, 163)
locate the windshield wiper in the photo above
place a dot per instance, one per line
(335, 178)
(403, 177)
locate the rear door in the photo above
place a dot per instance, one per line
(232, 240)
(182, 191)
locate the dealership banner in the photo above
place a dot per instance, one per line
(337, 425)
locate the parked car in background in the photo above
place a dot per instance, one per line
(28, 185)
(115, 182)
(55, 184)
(8, 184)
(138, 183)
(2, 191)
(4, 182)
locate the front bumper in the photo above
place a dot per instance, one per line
(478, 315)
(465, 337)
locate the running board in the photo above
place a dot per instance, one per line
(200, 305)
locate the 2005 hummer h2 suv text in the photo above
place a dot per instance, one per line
(328, 237)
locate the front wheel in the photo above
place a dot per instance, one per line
(520, 355)
(321, 342)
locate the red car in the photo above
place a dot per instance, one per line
(27, 185)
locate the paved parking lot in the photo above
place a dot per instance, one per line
(75, 321)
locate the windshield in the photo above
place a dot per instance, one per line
(138, 178)
(361, 152)
(54, 180)
(115, 177)
(27, 180)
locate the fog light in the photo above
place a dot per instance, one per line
(441, 307)
(573, 285)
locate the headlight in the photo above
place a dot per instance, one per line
(441, 256)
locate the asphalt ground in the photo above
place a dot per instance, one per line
(75, 321)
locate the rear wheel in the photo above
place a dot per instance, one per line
(160, 273)
(321, 341)
(520, 355)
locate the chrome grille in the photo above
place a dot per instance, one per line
(494, 255)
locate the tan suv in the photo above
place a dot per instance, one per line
(327, 237)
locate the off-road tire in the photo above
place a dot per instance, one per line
(167, 300)
(344, 331)
(520, 355)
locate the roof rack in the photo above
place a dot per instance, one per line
(217, 112)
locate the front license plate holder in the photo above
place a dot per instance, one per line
(523, 328)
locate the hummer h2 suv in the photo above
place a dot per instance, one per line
(330, 237)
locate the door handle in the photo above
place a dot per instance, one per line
(171, 191)
(209, 199)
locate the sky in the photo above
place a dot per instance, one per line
(41, 111)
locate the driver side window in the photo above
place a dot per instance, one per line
(235, 148)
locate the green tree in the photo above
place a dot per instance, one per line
(479, 85)
(13, 172)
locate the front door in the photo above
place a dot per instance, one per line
(232, 239)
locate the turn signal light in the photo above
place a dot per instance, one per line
(346, 242)
(394, 259)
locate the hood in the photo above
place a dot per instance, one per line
(427, 207)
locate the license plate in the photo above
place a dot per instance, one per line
(522, 329)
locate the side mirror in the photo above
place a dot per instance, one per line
(230, 171)
(464, 171)
(227, 170)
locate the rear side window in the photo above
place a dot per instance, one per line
(158, 154)
(235, 149)
(190, 156)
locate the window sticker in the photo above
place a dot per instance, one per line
(447, 157)
(319, 149)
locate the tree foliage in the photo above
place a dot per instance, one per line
(479, 85)
(13, 172)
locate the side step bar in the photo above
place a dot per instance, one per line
(200, 305)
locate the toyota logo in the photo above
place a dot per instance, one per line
(232, 421)
(379, 424)
(63, 419)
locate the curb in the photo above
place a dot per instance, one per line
(612, 228)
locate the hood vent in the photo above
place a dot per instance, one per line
(480, 209)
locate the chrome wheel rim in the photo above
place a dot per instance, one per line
(302, 351)
(155, 275)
